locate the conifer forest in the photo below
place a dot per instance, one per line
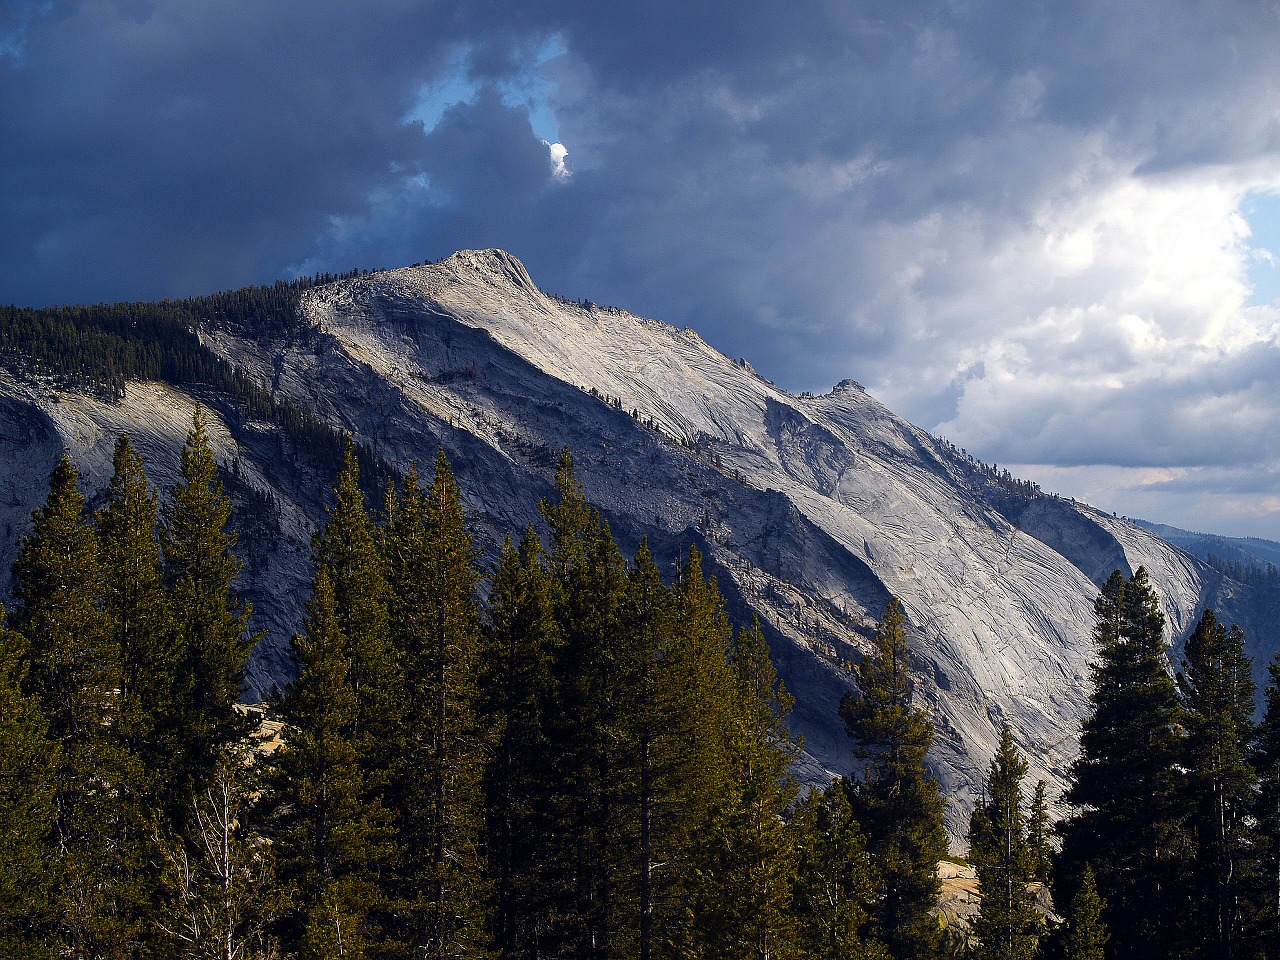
(565, 753)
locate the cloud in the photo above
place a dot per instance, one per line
(1024, 225)
(558, 153)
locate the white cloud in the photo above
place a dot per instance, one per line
(558, 152)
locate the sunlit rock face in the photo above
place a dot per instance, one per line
(813, 510)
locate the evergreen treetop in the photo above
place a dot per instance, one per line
(1086, 934)
(1219, 782)
(331, 838)
(1127, 820)
(437, 785)
(1006, 925)
(209, 620)
(895, 798)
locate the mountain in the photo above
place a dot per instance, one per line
(1253, 555)
(812, 510)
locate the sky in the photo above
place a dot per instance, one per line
(1047, 231)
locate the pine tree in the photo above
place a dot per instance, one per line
(653, 782)
(347, 547)
(895, 799)
(330, 841)
(28, 762)
(73, 671)
(1085, 936)
(689, 716)
(1006, 923)
(134, 599)
(1265, 757)
(744, 906)
(1127, 820)
(835, 882)
(1039, 832)
(438, 789)
(589, 577)
(762, 752)
(517, 695)
(209, 620)
(1217, 688)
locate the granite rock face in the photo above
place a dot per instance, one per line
(813, 510)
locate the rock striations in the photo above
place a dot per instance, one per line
(813, 510)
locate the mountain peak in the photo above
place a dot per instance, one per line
(493, 265)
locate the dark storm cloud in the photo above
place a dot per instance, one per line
(156, 145)
(150, 149)
(976, 208)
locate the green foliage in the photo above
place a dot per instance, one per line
(680, 700)
(590, 581)
(331, 839)
(136, 604)
(1265, 757)
(895, 799)
(746, 906)
(835, 884)
(1085, 936)
(1127, 819)
(73, 671)
(595, 769)
(1216, 683)
(441, 754)
(1006, 925)
(346, 546)
(517, 703)
(1039, 833)
(209, 621)
(28, 763)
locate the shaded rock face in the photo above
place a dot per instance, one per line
(813, 511)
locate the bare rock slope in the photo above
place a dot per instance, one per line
(812, 509)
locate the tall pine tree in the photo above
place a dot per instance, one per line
(1006, 925)
(517, 702)
(331, 841)
(689, 717)
(1085, 935)
(439, 773)
(1216, 683)
(135, 601)
(209, 621)
(836, 885)
(73, 671)
(895, 799)
(1039, 834)
(1127, 819)
(346, 545)
(589, 577)
(744, 904)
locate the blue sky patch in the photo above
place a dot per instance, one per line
(529, 90)
(1262, 210)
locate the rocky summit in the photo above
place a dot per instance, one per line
(812, 510)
